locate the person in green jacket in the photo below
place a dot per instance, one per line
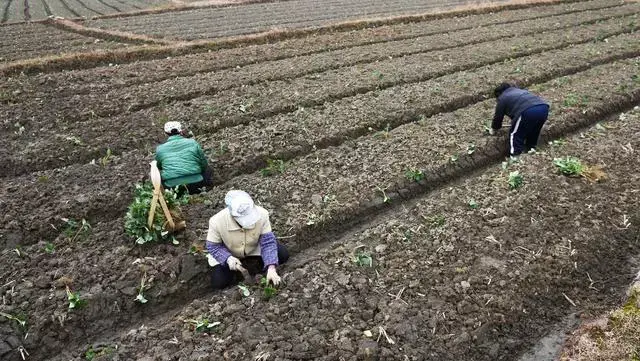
(182, 162)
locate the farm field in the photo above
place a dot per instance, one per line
(21, 10)
(33, 40)
(463, 266)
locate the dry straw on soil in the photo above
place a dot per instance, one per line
(614, 337)
(164, 48)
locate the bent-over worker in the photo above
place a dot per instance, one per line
(242, 230)
(528, 113)
(182, 162)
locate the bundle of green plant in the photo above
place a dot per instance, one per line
(515, 180)
(569, 166)
(573, 167)
(138, 213)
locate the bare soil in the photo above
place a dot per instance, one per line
(463, 267)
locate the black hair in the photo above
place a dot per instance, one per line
(174, 132)
(501, 88)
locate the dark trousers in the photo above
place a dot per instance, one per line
(222, 276)
(525, 130)
(195, 188)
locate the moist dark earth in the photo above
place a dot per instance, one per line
(463, 267)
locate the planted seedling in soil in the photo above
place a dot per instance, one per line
(414, 175)
(268, 290)
(22, 321)
(473, 204)
(76, 229)
(515, 180)
(274, 166)
(202, 324)
(106, 159)
(558, 142)
(569, 166)
(454, 158)
(143, 286)
(75, 301)
(435, 221)
(138, 213)
(93, 353)
(244, 290)
(383, 134)
(49, 248)
(573, 167)
(471, 148)
(363, 259)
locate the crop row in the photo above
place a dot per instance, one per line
(353, 85)
(156, 70)
(260, 16)
(299, 135)
(329, 188)
(445, 274)
(118, 100)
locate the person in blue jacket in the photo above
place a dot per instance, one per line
(528, 113)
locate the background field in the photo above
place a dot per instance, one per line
(463, 267)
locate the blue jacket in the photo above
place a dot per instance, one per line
(512, 102)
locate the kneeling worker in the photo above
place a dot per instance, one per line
(528, 113)
(182, 162)
(242, 230)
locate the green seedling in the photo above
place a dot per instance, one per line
(49, 248)
(383, 134)
(195, 250)
(454, 158)
(268, 290)
(107, 157)
(435, 221)
(414, 175)
(19, 252)
(558, 142)
(202, 324)
(75, 140)
(509, 162)
(515, 180)
(76, 229)
(43, 179)
(143, 286)
(221, 149)
(244, 290)
(92, 354)
(383, 192)
(20, 320)
(137, 215)
(569, 166)
(486, 127)
(573, 100)
(274, 166)
(363, 259)
(378, 75)
(471, 148)
(472, 204)
(75, 301)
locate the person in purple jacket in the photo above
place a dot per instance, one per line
(242, 230)
(528, 113)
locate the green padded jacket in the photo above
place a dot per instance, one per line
(181, 161)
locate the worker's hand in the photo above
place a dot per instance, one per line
(272, 275)
(234, 264)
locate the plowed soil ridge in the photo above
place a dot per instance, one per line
(364, 84)
(131, 165)
(591, 112)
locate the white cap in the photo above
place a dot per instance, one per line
(170, 126)
(242, 208)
